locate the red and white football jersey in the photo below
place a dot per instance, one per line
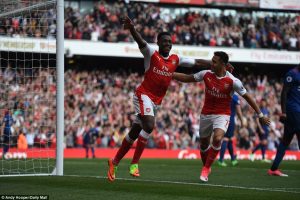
(219, 91)
(158, 73)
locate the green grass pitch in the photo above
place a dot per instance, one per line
(161, 179)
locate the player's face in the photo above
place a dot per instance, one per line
(217, 63)
(165, 44)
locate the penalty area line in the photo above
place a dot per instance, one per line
(200, 184)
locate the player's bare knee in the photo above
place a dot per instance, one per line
(148, 128)
(204, 147)
(217, 141)
(148, 123)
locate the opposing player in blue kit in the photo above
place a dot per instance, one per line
(290, 107)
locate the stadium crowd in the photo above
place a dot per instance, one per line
(190, 26)
(102, 99)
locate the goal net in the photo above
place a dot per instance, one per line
(28, 87)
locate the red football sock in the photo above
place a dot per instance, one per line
(204, 154)
(212, 154)
(141, 144)
(122, 150)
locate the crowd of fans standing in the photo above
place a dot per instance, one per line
(102, 99)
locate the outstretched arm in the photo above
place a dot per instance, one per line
(203, 64)
(262, 119)
(128, 24)
(206, 64)
(183, 77)
(239, 114)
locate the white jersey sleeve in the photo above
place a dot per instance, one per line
(199, 76)
(186, 62)
(147, 52)
(238, 87)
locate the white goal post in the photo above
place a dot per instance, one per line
(31, 87)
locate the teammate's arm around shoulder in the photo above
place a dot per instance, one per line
(183, 77)
(202, 64)
(264, 120)
(128, 24)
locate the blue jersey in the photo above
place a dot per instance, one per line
(8, 122)
(292, 79)
(234, 102)
(94, 132)
(90, 136)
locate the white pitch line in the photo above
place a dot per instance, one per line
(200, 184)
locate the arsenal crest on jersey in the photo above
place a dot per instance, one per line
(174, 62)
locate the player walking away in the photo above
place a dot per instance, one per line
(290, 107)
(215, 115)
(7, 122)
(159, 67)
(235, 107)
(263, 134)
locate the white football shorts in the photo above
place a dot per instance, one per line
(143, 105)
(210, 122)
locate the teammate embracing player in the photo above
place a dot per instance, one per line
(220, 85)
(159, 68)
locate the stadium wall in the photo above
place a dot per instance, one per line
(148, 153)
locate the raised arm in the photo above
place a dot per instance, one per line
(128, 24)
(264, 120)
(183, 77)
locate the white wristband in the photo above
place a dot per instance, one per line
(260, 115)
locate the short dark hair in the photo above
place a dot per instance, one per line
(223, 56)
(162, 34)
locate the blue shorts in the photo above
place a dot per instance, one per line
(5, 139)
(264, 136)
(292, 123)
(230, 130)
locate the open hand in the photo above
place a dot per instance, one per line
(126, 21)
(264, 121)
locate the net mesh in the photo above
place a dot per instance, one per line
(27, 87)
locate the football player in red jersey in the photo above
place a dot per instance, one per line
(159, 67)
(220, 85)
